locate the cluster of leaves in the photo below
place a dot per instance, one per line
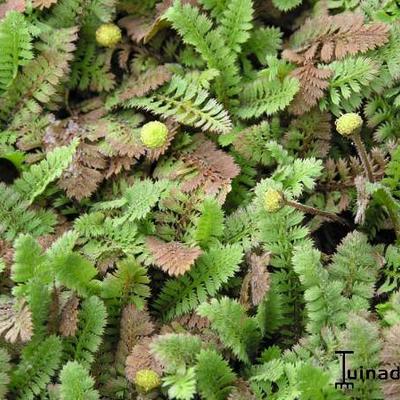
(132, 271)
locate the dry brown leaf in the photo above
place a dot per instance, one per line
(42, 4)
(390, 358)
(141, 358)
(11, 5)
(313, 82)
(80, 180)
(362, 198)
(174, 258)
(6, 252)
(328, 38)
(260, 279)
(69, 317)
(144, 83)
(241, 391)
(193, 321)
(15, 321)
(143, 29)
(216, 169)
(85, 172)
(257, 282)
(135, 324)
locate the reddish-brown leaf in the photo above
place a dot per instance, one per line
(313, 82)
(69, 317)
(15, 321)
(141, 358)
(215, 168)
(11, 5)
(174, 258)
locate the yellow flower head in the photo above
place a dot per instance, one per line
(147, 380)
(348, 124)
(154, 134)
(108, 35)
(273, 200)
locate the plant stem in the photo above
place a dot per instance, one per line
(315, 211)
(362, 153)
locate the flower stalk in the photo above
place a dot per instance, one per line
(350, 125)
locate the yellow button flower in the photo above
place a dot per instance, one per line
(273, 200)
(108, 35)
(348, 124)
(154, 134)
(147, 380)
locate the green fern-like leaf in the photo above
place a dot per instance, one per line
(324, 301)
(214, 376)
(391, 271)
(137, 200)
(16, 216)
(209, 225)
(34, 181)
(363, 336)
(355, 263)
(4, 372)
(176, 351)
(187, 104)
(236, 23)
(196, 30)
(92, 319)
(28, 259)
(236, 330)
(210, 272)
(351, 80)
(266, 97)
(264, 42)
(15, 46)
(286, 5)
(105, 236)
(182, 385)
(38, 364)
(129, 284)
(76, 383)
(75, 272)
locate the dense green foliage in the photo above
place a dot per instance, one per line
(199, 199)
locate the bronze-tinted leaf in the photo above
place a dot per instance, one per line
(174, 258)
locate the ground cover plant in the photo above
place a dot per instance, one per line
(199, 199)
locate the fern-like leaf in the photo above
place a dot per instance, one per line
(15, 46)
(16, 217)
(236, 23)
(214, 376)
(92, 319)
(187, 104)
(76, 383)
(34, 181)
(38, 364)
(236, 330)
(210, 272)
